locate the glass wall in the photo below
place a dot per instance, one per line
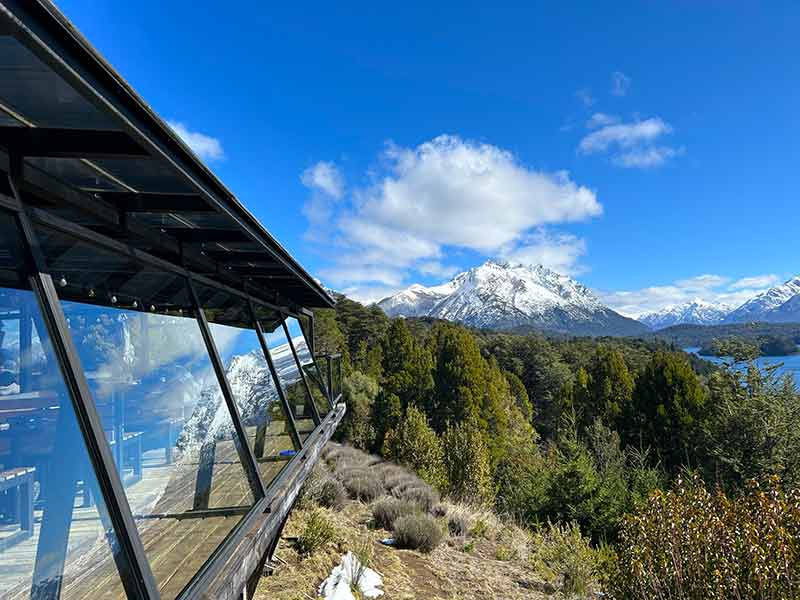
(288, 371)
(54, 531)
(266, 426)
(160, 403)
(314, 377)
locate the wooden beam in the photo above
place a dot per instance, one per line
(199, 236)
(157, 203)
(69, 143)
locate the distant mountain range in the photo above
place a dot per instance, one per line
(498, 295)
(693, 312)
(507, 296)
(779, 304)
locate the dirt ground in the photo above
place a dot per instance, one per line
(457, 570)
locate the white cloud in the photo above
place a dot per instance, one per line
(436, 269)
(643, 158)
(624, 135)
(560, 252)
(327, 187)
(204, 146)
(711, 288)
(759, 281)
(633, 144)
(454, 194)
(585, 96)
(325, 177)
(620, 83)
(601, 120)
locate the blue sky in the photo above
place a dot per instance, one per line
(649, 149)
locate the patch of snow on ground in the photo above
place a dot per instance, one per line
(339, 583)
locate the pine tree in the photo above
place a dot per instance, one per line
(406, 366)
(611, 386)
(668, 406)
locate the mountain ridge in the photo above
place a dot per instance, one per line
(508, 295)
(692, 312)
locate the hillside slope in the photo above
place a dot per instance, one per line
(492, 560)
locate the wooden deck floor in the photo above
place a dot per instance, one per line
(176, 548)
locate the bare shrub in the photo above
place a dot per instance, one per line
(398, 482)
(439, 511)
(385, 512)
(331, 494)
(458, 523)
(417, 532)
(363, 486)
(424, 496)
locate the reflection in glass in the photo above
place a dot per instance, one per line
(288, 372)
(53, 526)
(266, 426)
(160, 404)
(313, 375)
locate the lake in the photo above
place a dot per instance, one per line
(791, 363)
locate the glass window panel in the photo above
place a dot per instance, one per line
(160, 403)
(266, 426)
(53, 520)
(314, 376)
(288, 372)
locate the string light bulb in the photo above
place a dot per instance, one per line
(63, 281)
(135, 304)
(152, 308)
(92, 293)
(113, 299)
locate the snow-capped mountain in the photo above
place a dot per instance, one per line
(777, 304)
(507, 295)
(692, 312)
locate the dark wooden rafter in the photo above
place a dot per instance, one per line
(69, 143)
(203, 236)
(157, 202)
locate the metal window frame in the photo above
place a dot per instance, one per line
(133, 564)
(314, 410)
(298, 443)
(326, 390)
(244, 450)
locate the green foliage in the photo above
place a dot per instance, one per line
(467, 466)
(519, 394)
(406, 366)
(317, 533)
(359, 392)
(669, 404)
(459, 388)
(753, 426)
(611, 387)
(358, 322)
(387, 410)
(328, 335)
(415, 445)
(693, 544)
(562, 555)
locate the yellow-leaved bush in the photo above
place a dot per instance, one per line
(692, 543)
